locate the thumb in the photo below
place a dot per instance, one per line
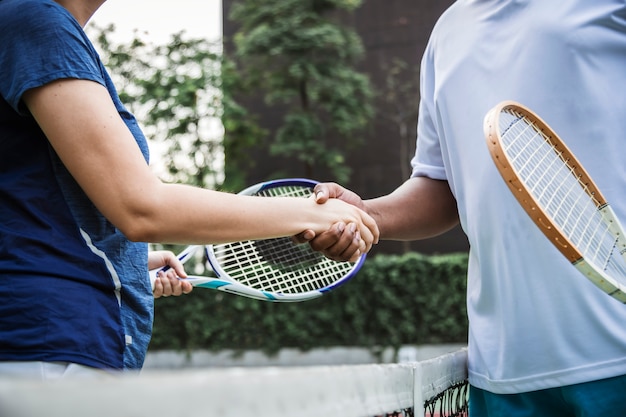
(324, 191)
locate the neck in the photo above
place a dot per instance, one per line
(82, 10)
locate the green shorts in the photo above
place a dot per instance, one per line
(606, 397)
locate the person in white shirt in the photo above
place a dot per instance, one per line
(543, 340)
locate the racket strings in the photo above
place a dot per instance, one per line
(279, 265)
(560, 192)
(285, 191)
(290, 269)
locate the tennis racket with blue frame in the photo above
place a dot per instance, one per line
(276, 269)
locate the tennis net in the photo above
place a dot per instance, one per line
(434, 388)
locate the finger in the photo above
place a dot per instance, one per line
(329, 238)
(157, 292)
(166, 283)
(186, 286)
(325, 190)
(366, 236)
(355, 256)
(320, 193)
(370, 232)
(303, 237)
(175, 264)
(345, 244)
(351, 252)
(175, 283)
(178, 270)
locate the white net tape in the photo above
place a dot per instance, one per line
(346, 391)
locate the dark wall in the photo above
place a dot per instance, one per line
(389, 29)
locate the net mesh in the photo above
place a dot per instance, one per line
(452, 402)
(433, 388)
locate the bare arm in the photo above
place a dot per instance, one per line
(420, 208)
(83, 126)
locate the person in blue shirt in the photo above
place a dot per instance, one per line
(543, 340)
(79, 204)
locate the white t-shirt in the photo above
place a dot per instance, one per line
(535, 321)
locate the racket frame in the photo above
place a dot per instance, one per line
(533, 208)
(223, 282)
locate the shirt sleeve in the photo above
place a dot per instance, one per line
(42, 42)
(428, 160)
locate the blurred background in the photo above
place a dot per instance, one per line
(234, 92)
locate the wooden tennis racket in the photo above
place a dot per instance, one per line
(558, 194)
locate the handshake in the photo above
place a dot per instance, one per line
(334, 222)
(343, 241)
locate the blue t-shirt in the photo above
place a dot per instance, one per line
(72, 287)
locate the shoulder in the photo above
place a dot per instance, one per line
(37, 22)
(41, 42)
(450, 18)
(29, 15)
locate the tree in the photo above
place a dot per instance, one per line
(181, 93)
(304, 62)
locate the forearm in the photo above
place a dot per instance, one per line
(420, 208)
(193, 215)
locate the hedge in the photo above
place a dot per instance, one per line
(394, 300)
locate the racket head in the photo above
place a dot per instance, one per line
(558, 194)
(278, 269)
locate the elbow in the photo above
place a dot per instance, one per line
(138, 226)
(135, 234)
(139, 231)
(131, 208)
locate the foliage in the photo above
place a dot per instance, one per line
(304, 63)
(182, 93)
(241, 130)
(394, 300)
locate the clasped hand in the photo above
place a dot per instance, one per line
(168, 282)
(342, 242)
